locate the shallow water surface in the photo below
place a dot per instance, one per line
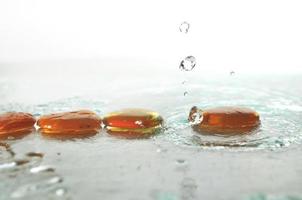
(175, 164)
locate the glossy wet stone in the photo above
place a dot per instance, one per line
(225, 120)
(16, 124)
(133, 123)
(77, 123)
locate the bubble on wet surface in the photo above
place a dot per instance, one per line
(187, 64)
(184, 27)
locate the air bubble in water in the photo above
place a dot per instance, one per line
(184, 27)
(188, 63)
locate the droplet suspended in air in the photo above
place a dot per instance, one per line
(188, 63)
(184, 27)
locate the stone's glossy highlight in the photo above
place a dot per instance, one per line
(77, 123)
(133, 123)
(226, 120)
(16, 124)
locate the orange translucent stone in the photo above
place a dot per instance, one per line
(133, 123)
(16, 124)
(77, 123)
(226, 120)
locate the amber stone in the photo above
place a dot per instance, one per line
(225, 120)
(69, 124)
(16, 124)
(133, 123)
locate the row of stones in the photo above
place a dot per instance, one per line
(128, 123)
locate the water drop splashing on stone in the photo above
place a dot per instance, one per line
(184, 27)
(195, 116)
(188, 64)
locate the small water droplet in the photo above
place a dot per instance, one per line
(184, 27)
(55, 180)
(60, 192)
(41, 169)
(183, 82)
(10, 138)
(139, 122)
(7, 165)
(232, 73)
(188, 63)
(185, 93)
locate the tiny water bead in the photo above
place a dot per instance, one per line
(225, 120)
(77, 123)
(133, 123)
(184, 27)
(16, 124)
(188, 64)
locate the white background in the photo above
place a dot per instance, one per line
(237, 34)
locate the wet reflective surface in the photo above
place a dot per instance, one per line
(178, 163)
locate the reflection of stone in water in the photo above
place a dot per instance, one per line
(35, 154)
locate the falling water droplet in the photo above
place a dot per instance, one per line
(184, 27)
(188, 63)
